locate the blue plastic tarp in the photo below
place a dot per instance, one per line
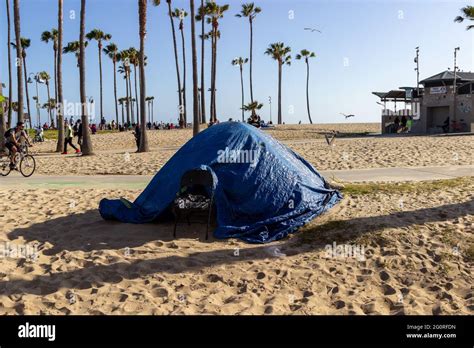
(263, 190)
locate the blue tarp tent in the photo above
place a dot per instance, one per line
(264, 190)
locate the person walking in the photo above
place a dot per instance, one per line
(68, 135)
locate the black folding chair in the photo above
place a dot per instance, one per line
(193, 197)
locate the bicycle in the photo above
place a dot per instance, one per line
(25, 163)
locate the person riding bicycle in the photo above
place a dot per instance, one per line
(13, 139)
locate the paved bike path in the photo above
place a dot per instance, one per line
(397, 174)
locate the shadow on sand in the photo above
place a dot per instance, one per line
(87, 232)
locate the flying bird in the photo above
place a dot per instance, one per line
(347, 116)
(313, 30)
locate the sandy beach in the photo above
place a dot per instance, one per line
(115, 153)
(385, 249)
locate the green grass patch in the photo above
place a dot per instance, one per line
(412, 187)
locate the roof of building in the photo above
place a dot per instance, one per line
(448, 75)
(394, 94)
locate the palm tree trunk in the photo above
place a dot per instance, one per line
(175, 46)
(10, 83)
(243, 97)
(99, 45)
(19, 55)
(51, 120)
(131, 94)
(307, 91)
(212, 79)
(196, 117)
(185, 116)
(128, 98)
(137, 97)
(251, 58)
(115, 91)
(2, 121)
(279, 92)
(55, 73)
(215, 78)
(142, 20)
(203, 50)
(86, 146)
(58, 63)
(123, 116)
(26, 90)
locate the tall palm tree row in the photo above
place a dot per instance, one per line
(86, 146)
(196, 116)
(3, 126)
(180, 14)
(99, 36)
(52, 36)
(25, 43)
(281, 53)
(59, 78)
(111, 50)
(250, 11)
(240, 62)
(142, 15)
(467, 12)
(19, 58)
(306, 55)
(10, 89)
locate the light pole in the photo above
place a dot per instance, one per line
(417, 69)
(454, 83)
(270, 102)
(38, 112)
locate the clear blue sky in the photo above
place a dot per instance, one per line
(376, 38)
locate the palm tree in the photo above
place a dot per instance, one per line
(111, 50)
(181, 14)
(121, 101)
(214, 13)
(175, 47)
(44, 77)
(46, 37)
(306, 55)
(281, 54)
(240, 62)
(196, 115)
(25, 43)
(250, 11)
(10, 90)
(125, 69)
(86, 146)
(74, 47)
(59, 78)
(3, 127)
(252, 106)
(19, 57)
(133, 58)
(467, 13)
(99, 36)
(142, 4)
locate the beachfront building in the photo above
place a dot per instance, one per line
(435, 108)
